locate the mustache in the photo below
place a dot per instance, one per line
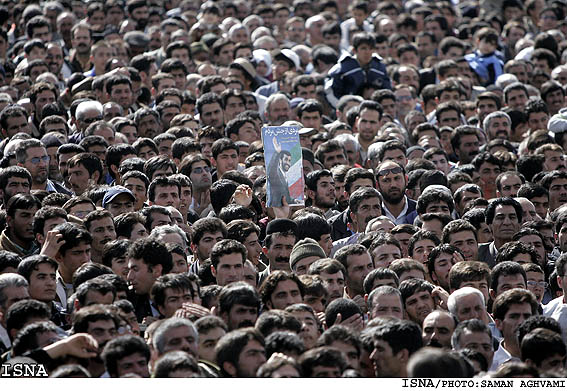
(434, 344)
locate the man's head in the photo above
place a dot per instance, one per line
(125, 355)
(365, 204)
(438, 328)
(279, 241)
(170, 291)
(176, 334)
(505, 276)
(467, 303)
(510, 309)
(385, 301)
(40, 273)
(280, 290)
(474, 334)
(240, 353)
(417, 299)
(239, 304)
(206, 233)
(227, 261)
(20, 212)
(147, 260)
(394, 342)
(14, 180)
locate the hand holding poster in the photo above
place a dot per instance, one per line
(284, 165)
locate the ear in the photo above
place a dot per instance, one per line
(76, 305)
(233, 137)
(157, 270)
(213, 271)
(559, 282)
(213, 162)
(9, 221)
(492, 293)
(40, 239)
(310, 194)
(96, 177)
(265, 250)
(229, 368)
(403, 356)
(498, 324)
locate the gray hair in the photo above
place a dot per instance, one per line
(84, 107)
(474, 325)
(274, 98)
(374, 150)
(459, 294)
(346, 138)
(381, 291)
(160, 334)
(161, 231)
(10, 280)
(493, 115)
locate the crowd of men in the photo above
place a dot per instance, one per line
(137, 238)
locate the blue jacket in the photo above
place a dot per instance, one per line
(487, 67)
(347, 76)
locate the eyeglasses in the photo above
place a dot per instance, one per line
(91, 120)
(37, 160)
(395, 170)
(541, 284)
(199, 170)
(404, 98)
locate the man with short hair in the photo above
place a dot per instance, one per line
(227, 261)
(280, 290)
(280, 238)
(239, 305)
(358, 264)
(391, 181)
(385, 301)
(32, 155)
(127, 354)
(475, 335)
(176, 334)
(321, 191)
(14, 180)
(13, 288)
(147, 260)
(504, 216)
(206, 233)
(240, 353)
(438, 328)
(100, 225)
(18, 236)
(417, 296)
(394, 343)
(510, 309)
(84, 170)
(462, 235)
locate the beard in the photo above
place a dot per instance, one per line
(323, 202)
(393, 199)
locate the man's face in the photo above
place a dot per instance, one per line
(206, 244)
(470, 307)
(174, 299)
(438, 328)
(226, 160)
(200, 175)
(555, 101)
(79, 179)
(385, 362)
(554, 160)
(250, 359)
(212, 115)
(311, 119)
(182, 338)
(101, 56)
(536, 284)
(441, 163)
(229, 269)
(37, 163)
(438, 207)
(138, 188)
(510, 184)
(468, 148)
(307, 92)
(135, 363)
(21, 225)
(120, 204)
(279, 112)
(391, 182)
(517, 313)
(207, 343)
(247, 133)
(285, 162)
(537, 121)
(557, 193)
(368, 123)
(309, 330)
(241, 316)
(325, 196)
(485, 107)
(122, 94)
(334, 158)
(279, 251)
(148, 126)
(359, 266)
(441, 268)
(16, 185)
(449, 118)
(42, 99)
(140, 276)
(538, 245)
(286, 293)
(499, 127)
(466, 242)
(76, 256)
(387, 305)
(505, 223)
(335, 285)
(488, 173)
(478, 341)
(167, 196)
(384, 255)
(103, 331)
(102, 231)
(505, 283)
(225, 56)
(517, 99)
(42, 283)
(419, 305)
(421, 250)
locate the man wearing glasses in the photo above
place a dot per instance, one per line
(86, 114)
(32, 155)
(392, 182)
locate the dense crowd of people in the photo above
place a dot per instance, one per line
(143, 236)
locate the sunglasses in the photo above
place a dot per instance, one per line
(395, 170)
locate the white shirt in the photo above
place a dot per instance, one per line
(402, 216)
